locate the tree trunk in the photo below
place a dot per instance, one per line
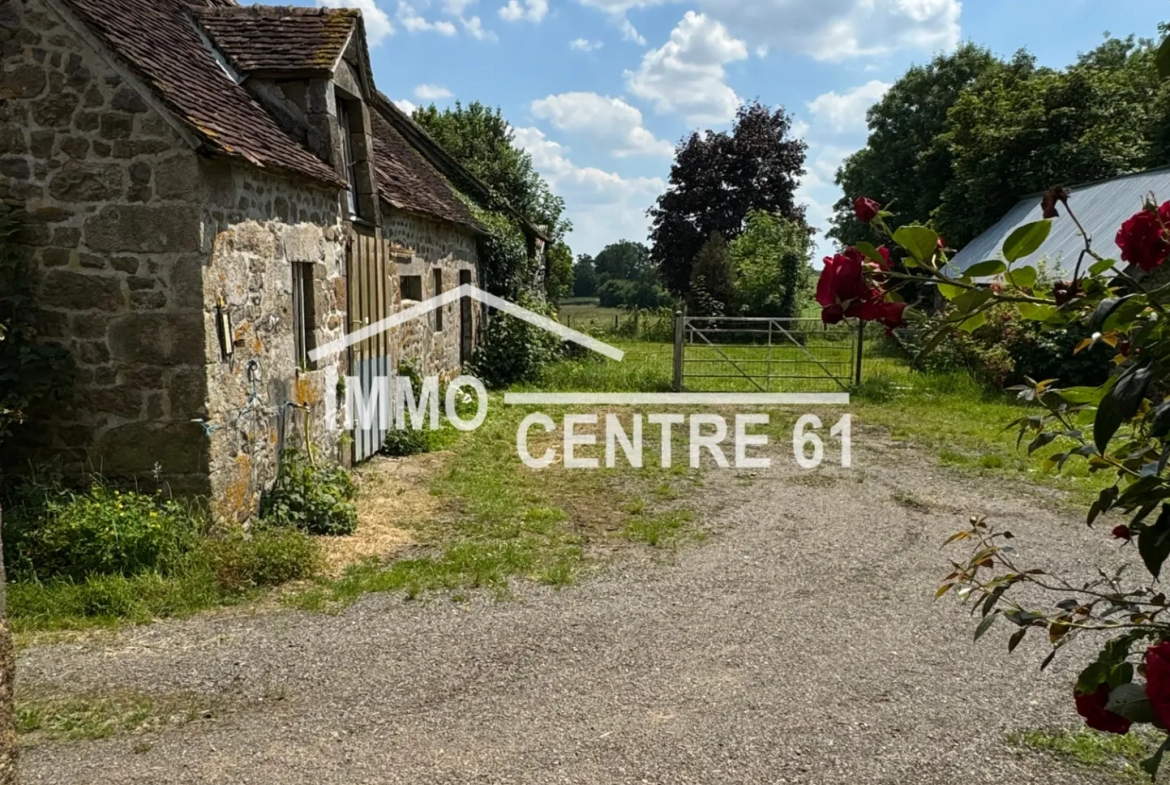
(8, 773)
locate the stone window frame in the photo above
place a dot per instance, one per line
(437, 282)
(410, 286)
(355, 156)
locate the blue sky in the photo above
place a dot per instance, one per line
(600, 90)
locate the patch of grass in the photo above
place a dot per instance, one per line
(60, 716)
(911, 502)
(965, 422)
(222, 571)
(1106, 751)
(665, 530)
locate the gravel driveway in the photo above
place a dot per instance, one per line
(798, 644)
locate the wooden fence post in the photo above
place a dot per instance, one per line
(677, 384)
(8, 750)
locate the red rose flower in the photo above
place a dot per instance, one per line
(1143, 238)
(885, 252)
(842, 279)
(1158, 679)
(1092, 708)
(832, 314)
(1122, 532)
(866, 209)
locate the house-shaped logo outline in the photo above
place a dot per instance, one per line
(453, 295)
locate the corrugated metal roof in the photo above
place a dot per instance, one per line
(1101, 208)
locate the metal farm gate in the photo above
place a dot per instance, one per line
(370, 281)
(763, 354)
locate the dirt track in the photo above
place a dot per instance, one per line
(798, 644)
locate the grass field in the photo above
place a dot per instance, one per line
(586, 315)
(961, 421)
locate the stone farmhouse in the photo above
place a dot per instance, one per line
(209, 191)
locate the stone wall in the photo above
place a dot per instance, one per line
(113, 232)
(424, 245)
(139, 243)
(259, 227)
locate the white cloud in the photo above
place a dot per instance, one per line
(585, 45)
(846, 111)
(457, 7)
(603, 206)
(833, 30)
(530, 10)
(837, 30)
(609, 121)
(685, 75)
(405, 105)
(432, 92)
(474, 28)
(413, 21)
(377, 21)
(629, 32)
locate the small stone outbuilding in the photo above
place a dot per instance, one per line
(209, 191)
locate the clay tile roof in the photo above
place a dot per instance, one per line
(408, 181)
(274, 40)
(158, 39)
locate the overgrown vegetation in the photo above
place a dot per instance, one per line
(102, 555)
(511, 350)
(315, 497)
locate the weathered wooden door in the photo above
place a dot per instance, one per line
(370, 299)
(466, 324)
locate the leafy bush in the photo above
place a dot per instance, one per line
(266, 556)
(1007, 349)
(511, 350)
(318, 499)
(407, 441)
(620, 293)
(102, 531)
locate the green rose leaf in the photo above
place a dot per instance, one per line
(1130, 701)
(1099, 267)
(984, 269)
(1035, 312)
(870, 252)
(974, 322)
(1026, 240)
(950, 291)
(1120, 404)
(1023, 278)
(919, 241)
(1151, 764)
(1160, 421)
(1154, 542)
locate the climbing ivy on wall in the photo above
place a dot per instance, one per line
(504, 266)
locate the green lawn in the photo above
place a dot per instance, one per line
(949, 414)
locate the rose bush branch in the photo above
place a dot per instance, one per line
(1121, 426)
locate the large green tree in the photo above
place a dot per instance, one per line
(962, 139)
(1023, 129)
(481, 139)
(770, 260)
(584, 277)
(903, 163)
(717, 179)
(624, 260)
